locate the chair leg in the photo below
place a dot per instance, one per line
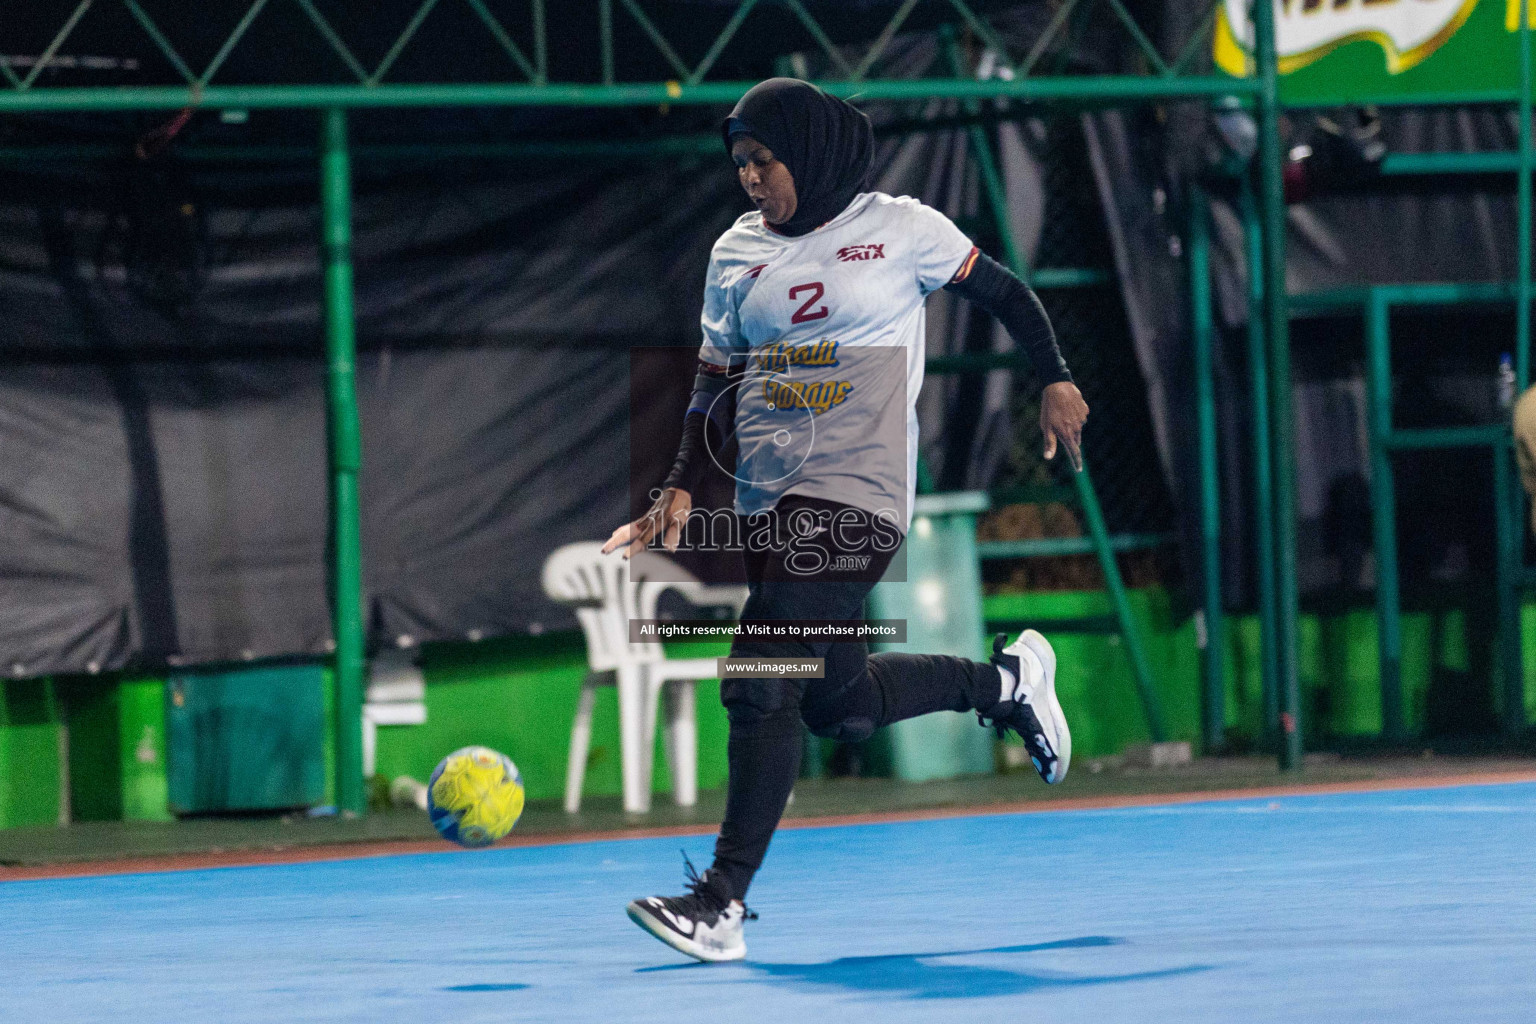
(653, 696)
(665, 698)
(370, 745)
(581, 742)
(632, 739)
(682, 737)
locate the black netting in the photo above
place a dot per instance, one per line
(1091, 327)
(1090, 322)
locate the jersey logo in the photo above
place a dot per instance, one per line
(815, 395)
(750, 274)
(777, 357)
(854, 253)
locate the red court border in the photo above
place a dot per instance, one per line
(362, 850)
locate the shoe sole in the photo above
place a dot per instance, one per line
(1054, 720)
(681, 943)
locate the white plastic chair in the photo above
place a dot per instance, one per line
(606, 592)
(396, 695)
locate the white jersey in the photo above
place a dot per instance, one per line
(831, 327)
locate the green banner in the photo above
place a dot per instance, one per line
(1350, 51)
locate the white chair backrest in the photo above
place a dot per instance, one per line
(694, 592)
(608, 591)
(605, 599)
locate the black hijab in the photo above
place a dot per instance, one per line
(827, 145)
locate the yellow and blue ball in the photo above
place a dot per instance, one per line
(475, 796)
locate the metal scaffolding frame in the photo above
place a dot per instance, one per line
(534, 85)
(1274, 458)
(526, 46)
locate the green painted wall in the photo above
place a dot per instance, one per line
(246, 738)
(518, 695)
(116, 748)
(1336, 662)
(1093, 676)
(29, 753)
(141, 711)
(95, 749)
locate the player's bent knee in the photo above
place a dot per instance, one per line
(749, 703)
(853, 729)
(848, 713)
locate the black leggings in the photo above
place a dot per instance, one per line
(860, 693)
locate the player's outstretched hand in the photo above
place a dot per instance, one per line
(671, 507)
(1062, 414)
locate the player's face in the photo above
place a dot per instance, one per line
(768, 182)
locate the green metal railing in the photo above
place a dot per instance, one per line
(531, 83)
(1384, 440)
(1111, 89)
(1269, 365)
(1510, 574)
(1376, 304)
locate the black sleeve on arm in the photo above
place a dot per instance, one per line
(998, 290)
(710, 409)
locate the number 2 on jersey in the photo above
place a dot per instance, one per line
(805, 313)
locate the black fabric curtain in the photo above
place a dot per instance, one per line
(1343, 229)
(164, 494)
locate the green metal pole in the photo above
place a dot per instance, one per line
(1507, 543)
(1493, 435)
(1511, 503)
(1277, 330)
(1523, 200)
(1263, 468)
(1203, 330)
(1097, 89)
(540, 44)
(605, 41)
(345, 458)
(1389, 628)
(1451, 163)
(992, 184)
(1141, 669)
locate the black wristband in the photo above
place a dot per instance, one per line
(711, 406)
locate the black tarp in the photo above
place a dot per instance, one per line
(164, 495)
(163, 492)
(1357, 231)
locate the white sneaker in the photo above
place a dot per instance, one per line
(1033, 710)
(701, 924)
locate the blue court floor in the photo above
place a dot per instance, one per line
(1411, 905)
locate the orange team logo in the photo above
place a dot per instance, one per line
(854, 253)
(1407, 31)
